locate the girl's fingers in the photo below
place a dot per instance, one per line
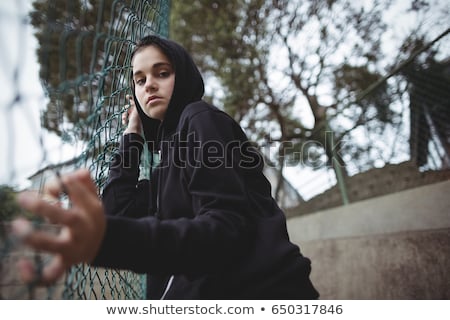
(57, 186)
(21, 228)
(31, 201)
(83, 225)
(49, 274)
(81, 189)
(128, 110)
(53, 270)
(39, 240)
(27, 270)
(53, 188)
(125, 118)
(84, 176)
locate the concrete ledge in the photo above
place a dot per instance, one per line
(421, 208)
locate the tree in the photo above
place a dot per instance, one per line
(65, 61)
(273, 58)
(8, 205)
(8, 210)
(84, 49)
(83, 53)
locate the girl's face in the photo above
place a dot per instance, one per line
(154, 79)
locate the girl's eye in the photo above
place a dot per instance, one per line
(164, 74)
(140, 82)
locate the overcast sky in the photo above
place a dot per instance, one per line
(24, 147)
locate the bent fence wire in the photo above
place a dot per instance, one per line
(83, 53)
(83, 50)
(409, 148)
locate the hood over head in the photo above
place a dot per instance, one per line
(188, 87)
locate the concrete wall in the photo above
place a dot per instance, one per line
(372, 183)
(390, 247)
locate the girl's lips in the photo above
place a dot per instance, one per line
(153, 99)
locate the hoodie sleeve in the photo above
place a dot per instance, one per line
(221, 230)
(123, 194)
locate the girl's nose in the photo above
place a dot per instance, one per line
(150, 84)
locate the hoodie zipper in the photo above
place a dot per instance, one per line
(169, 284)
(158, 185)
(158, 205)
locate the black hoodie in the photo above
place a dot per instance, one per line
(205, 226)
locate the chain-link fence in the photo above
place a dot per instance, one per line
(83, 50)
(83, 53)
(408, 147)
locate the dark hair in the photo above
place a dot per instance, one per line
(148, 41)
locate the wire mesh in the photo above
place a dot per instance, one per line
(83, 52)
(407, 149)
